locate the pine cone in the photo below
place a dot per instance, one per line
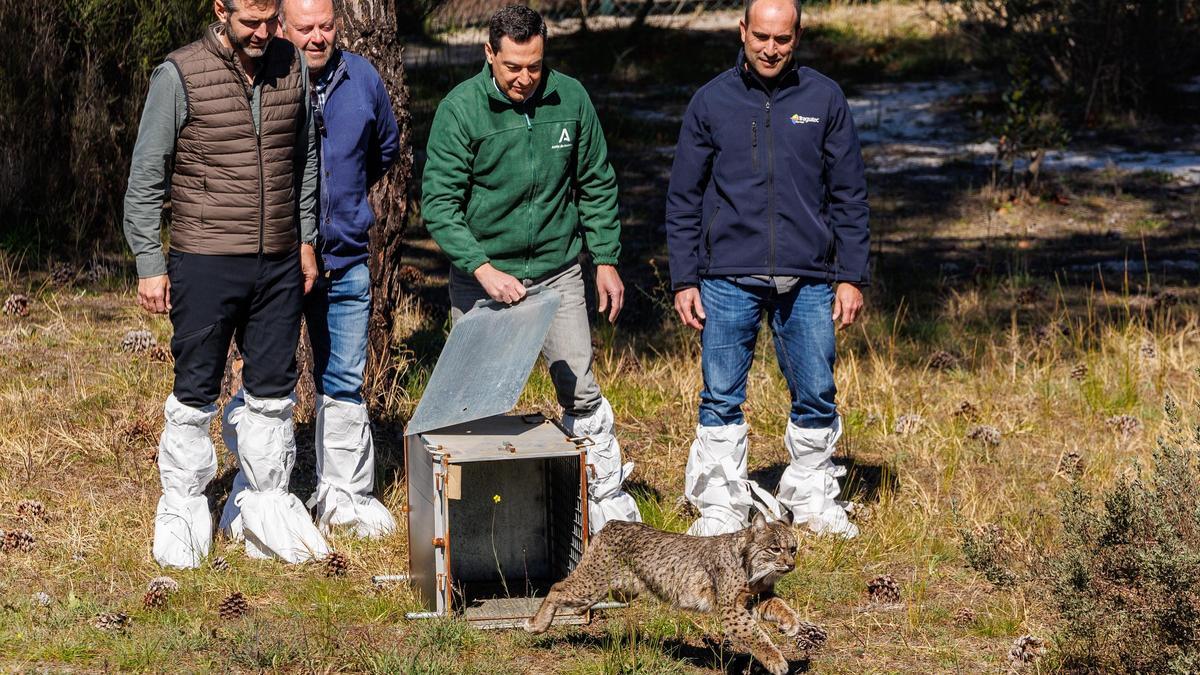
(155, 598)
(966, 410)
(336, 564)
(62, 274)
(883, 589)
(42, 599)
(161, 354)
(410, 276)
(97, 272)
(1079, 372)
(1025, 649)
(30, 509)
(1030, 295)
(965, 615)
(112, 621)
(1125, 425)
(163, 584)
(17, 305)
(810, 638)
(907, 424)
(234, 606)
(988, 435)
(1164, 299)
(136, 341)
(943, 360)
(1044, 333)
(219, 564)
(1149, 351)
(18, 540)
(1071, 463)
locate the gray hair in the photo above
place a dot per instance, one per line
(750, 3)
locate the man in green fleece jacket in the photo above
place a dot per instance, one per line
(516, 183)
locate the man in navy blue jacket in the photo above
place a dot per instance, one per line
(767, 212)
(359, 140)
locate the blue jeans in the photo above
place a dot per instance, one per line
(338, 311)
(802, 324)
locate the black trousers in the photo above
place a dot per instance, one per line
(256, 300)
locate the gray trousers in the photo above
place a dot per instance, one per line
(568, 346)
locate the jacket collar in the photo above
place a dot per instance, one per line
(751, 78)
(335, 71)
(548, 85)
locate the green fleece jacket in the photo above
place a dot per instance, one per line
(522, 186)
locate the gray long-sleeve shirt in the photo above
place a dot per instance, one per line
(153, 154)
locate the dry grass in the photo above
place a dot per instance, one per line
(80, 417)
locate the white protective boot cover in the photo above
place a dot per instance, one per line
(346, 471)
(231, 514)
(606, 500)
(716, 481)
(809, 486)
(274, 522)
(187, 461)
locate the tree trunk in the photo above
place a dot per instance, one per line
(369, 28)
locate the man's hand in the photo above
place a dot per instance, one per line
(308, 266)
(154, 294)
(610, 291)
(687, 305)
(499, 286)
(847, 303)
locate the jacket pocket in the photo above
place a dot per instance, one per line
(707, 234)
(754, 143)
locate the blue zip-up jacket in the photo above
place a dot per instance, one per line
(359, 142)
(768, 182)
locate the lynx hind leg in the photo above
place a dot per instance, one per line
(586, 586)
(746, 635)
(775, 610)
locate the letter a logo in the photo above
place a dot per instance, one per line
(565, 137)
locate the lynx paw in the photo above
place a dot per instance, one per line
(531, 626)
(777, 666)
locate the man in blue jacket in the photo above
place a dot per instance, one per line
(767, 212)
(359, 141)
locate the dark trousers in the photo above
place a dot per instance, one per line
(256, 300)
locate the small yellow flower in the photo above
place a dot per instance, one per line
(496, 498)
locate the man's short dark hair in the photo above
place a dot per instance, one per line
(796, 3)
(517, 23)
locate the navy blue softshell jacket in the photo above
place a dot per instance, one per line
(768, 182)
(359, 142)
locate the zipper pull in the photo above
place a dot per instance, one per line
(754, 134)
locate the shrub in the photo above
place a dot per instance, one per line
(1127, 583)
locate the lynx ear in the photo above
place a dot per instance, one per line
(759, 521)
(787, 518)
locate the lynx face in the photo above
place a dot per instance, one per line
(772, 550)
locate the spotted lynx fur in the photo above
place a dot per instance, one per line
(733, 575)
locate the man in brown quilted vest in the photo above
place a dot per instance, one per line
(226, 136)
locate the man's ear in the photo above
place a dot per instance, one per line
(219, 10)
(487, 51)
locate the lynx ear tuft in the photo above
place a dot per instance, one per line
(759, 521)
(787, 518)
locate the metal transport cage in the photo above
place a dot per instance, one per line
(497, 503)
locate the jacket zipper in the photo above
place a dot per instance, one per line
(707, 236)
(770, 188)
(754, 142)
(532, 189)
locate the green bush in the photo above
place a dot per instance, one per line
(1127, 583)
(71, 94)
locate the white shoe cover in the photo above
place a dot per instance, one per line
(809, 485)
(231, 515)
(187, 461)
(606, 500)
(274, 522)
(717, 484)
(346, 471)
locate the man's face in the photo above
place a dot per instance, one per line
(250, 26)
(770, 36)
(310, 25)
(517, 66)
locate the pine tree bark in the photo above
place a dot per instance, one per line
(369, 28)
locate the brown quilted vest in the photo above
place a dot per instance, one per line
(233, 191)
